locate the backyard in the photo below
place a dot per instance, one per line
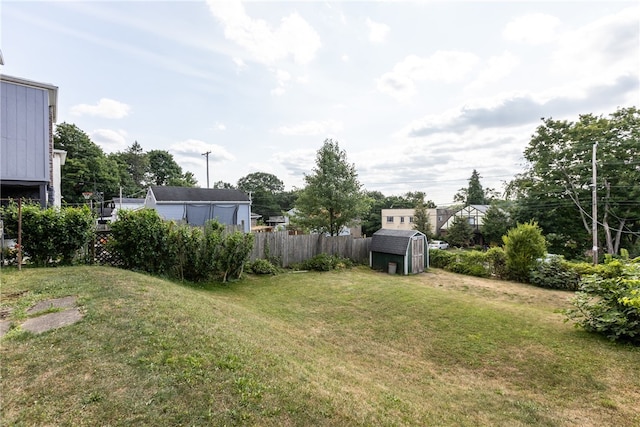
(350, 347)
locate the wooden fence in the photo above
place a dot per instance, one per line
(291, 249)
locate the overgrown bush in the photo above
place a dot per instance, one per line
(610, 305)
(555, 274)
(263, 266)
(497, 262)
(471, 263)
(324, 262)
(50, 236)
(140, 240)
(143, 241)
(439, 258)
(523, 245)
(186, 249)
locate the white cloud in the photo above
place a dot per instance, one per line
(534, 29)
(220, 126)
(601, 50)
(377, 32)
(107, 108)
(497, 68)
(293, 37)
(311, 128)
(444, 66)
(109, 140)
(345, 57)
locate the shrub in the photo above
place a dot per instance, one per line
(497, 261)
(50, 236)
(140, 240)
(439, 258)
(185, 246)
(263, 266)
(522, 246)
(471, 263)
(555, 274)
(325, 262)
(610, 305)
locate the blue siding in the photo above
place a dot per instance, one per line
(24, 132)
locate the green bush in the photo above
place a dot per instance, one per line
(610, 305)
(185, 246)
(497, 261)
(324, 262)
(50, 236)
(523, 245)
(263, 266)
(471, 263)
(439, 258)
(140, 240)
(555, 274)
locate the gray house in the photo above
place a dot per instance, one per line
(29, 165)
(195, 206)
(399, 251)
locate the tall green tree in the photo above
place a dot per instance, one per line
(556, 191)
(333, 197)
(87, 168)
(421, 220)
(495, 224)
(264, 189)
(460, 232)
(474, 194)
(162, 169)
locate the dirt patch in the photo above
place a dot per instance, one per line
(47, 321)
(502, 290)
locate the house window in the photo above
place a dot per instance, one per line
(401, 220)
(472, 220)
(389, 219)
(410, 219)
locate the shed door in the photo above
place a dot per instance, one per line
(417, 254)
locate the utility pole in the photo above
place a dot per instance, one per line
(594, 206)
(207, 156)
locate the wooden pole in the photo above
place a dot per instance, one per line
(19, 234)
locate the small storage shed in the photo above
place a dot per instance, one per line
(399, 251)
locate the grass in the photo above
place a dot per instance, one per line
(344, 348)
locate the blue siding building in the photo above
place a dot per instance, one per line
(27, 156)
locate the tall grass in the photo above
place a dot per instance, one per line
(352, 347)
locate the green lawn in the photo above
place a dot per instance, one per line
(343, 348)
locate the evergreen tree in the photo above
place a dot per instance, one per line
(460, 233)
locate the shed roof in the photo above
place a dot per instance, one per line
(188, 194)
(392, 241)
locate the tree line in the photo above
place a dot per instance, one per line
(554, 190)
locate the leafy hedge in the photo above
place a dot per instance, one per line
(50, 236)
(324, 262)
(609, 303)
(555, 274)
(144, 242)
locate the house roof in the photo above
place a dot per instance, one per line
(187, 194)
(392, 241)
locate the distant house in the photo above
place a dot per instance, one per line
(29, 165)
(474, 214)
(399, 251)
(195, 206)
(123, 203)
(402, 219)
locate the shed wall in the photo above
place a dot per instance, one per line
(380, 261)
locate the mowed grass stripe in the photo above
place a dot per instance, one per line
(352, 347)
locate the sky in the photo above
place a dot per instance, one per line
(417, 93)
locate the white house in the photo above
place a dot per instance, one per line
(195, 206)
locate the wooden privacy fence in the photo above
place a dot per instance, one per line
(291, 249)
